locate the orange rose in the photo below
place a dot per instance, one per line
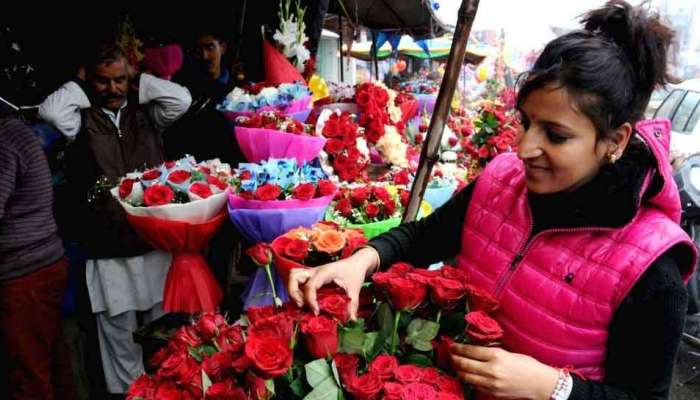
(351, 234)
(329, 241)
(299, 233)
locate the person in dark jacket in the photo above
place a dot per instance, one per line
(114, 122)
(577, 235)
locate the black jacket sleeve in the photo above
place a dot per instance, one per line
(428, 240)
(645, 334)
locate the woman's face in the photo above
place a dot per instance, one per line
(558, 143)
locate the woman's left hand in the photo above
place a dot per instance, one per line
(503, 374)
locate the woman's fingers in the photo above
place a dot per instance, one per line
(297, 277)
(474, 352)
(321, 277)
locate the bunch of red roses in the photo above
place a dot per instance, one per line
(274, 120)
(367, 204)
(495, 130)
(372, 101)
(342, 133)
(271, 191)
(214, 359)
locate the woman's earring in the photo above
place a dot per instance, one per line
(612, 158)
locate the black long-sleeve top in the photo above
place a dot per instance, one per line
(645, 332)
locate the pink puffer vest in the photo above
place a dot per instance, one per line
(558, 291)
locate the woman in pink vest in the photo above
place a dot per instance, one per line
(577, 234)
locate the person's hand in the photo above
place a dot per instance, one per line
(503, 374)
(349, 274)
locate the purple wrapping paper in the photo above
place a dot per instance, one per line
(258, 144)
(301, 116)
(259, 224)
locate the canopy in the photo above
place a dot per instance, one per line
(422, 48)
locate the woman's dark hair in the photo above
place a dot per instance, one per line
(609, 68)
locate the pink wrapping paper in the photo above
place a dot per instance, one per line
(258, 144)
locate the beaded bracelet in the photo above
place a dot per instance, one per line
(564, 386)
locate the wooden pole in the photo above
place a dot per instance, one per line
(429, 154)
(340, 40)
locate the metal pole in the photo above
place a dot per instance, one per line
(375, 52)
(429, 154)
(342, 66)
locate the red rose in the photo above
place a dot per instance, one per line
(226, 390)
(187, 336)
(359, 195)
(216, 182)
(277, 326)
(423, 276)
(389, 208)
(297, 249)
(209, 325)
(430, 375)
(402, 178)
(320, 336)
(443, 353)
(404, 196)
(346, 365)
(419, 137)
(484, 152)
(446, 293)
(241, 363)
(447, 384)
(156, 195)
(482, 329)
(402, 268)
(258, 314)
(179, 176)
(335, 305)
(334, 146)
(151, 174)
(268, 192)
(260, 253)
(167, 390)
(452, 141)
(159, 357)
(419, 391)
(480, 300)
(271, 356)
(256, 386)
(170, 164)
(384, 366)
(217, 365)
(231, 339)
(125, 188)
(381, 193)
(143, 387)
(344, 207)
(246, 194)
(365, 387)
(179, 367)
(326, 187)
(448, 396)
(245, 175)
(352, 245)
(408, 373)
(304, 191)
(201, 189)
(405, 294)
(372, 210)
(392, 391)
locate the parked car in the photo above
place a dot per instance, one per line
(682, 107)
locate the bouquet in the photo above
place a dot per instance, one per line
(346, 151)
(322, 243)
(495, 131)
(400, 349)
(178, 207)
(287, 98)
(268, 134)
(270, 198)
(372, 208)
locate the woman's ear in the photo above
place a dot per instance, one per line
(619, 139)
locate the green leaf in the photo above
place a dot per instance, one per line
(206, 382)
(351, 339)
(419, 359)
(422, 329)
(422, 345)
(317, 371)
(372, 345)
(385, 317)
(194, 354)
(270, 386)
(326, 390)
(298, 387)
(336, 375)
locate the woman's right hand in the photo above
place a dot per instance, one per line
(349, 274)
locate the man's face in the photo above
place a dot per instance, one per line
(210, 50)
(110, 83)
